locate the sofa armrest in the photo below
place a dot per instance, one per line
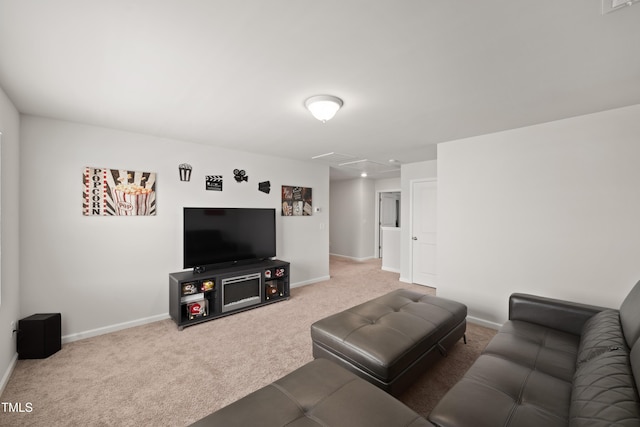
(565, 316)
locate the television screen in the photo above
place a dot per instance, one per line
(225, 235)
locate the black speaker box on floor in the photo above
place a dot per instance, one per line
(39, 336)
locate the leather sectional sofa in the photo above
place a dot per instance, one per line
(553, 363)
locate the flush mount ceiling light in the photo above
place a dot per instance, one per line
(323, 107)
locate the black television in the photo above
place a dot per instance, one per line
(227, 235)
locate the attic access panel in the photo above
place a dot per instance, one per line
(334, 158)
(369, 166)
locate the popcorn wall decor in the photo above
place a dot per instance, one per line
(240, 175)
(185, 172)
(118, 192)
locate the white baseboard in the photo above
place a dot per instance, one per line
(113, 328)
(482, 322)
(86, 334)
(391, 269)
(5, 378)
(144, 321)
(309, 282)
(353, 258)
(138, 322)
(404, 280)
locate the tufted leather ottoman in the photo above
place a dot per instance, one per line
(391, 339)
(320, 394)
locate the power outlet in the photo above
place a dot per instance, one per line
(13, 327)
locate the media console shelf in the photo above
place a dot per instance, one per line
(199, 297)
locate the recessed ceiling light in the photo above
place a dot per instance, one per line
(363, 174)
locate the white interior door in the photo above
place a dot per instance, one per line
(423, 228)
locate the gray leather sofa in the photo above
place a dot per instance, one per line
(553, 363)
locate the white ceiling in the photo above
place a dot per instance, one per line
(236, 73)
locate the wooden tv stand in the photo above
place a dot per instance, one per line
(199, 297)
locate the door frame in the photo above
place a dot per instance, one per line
(410, 225)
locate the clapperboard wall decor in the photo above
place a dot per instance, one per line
(214, 182)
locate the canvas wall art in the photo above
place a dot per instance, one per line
(296, 201)
(118, 192)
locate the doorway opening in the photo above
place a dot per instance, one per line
(388, 216)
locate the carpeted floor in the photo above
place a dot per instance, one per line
(156, 375)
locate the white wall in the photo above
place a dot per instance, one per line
(411, 172)
(9, 220)
(552, 209)
(103, 273)
(352, 218)
(391, 249)
(387, 184)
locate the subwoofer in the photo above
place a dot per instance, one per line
(39, 336)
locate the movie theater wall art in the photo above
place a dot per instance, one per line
(118, 192)
(296, 201)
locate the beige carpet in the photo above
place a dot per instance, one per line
(157, 375)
